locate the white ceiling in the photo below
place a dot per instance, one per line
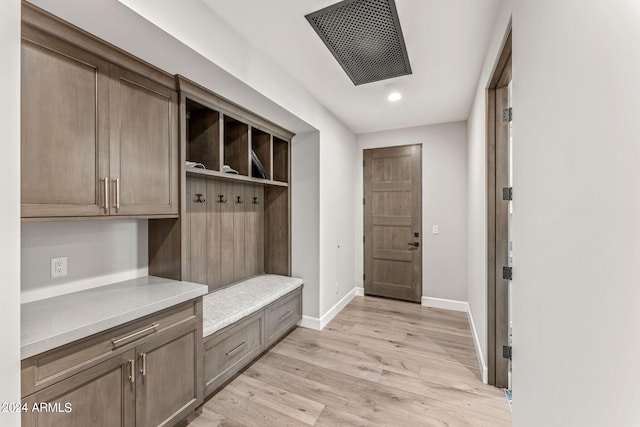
(446, 41)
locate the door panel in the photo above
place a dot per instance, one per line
(198, 244)
(213, 230)
(100, 396)
(166, 377)
(64, 130)
(393, 222)
(144, 147)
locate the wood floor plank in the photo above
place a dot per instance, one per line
(379, 362)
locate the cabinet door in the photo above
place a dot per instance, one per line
(168, 386)
(64, 129)
(100, 396)
(143, 145)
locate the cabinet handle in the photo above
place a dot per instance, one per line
(132, 371)
(106, 194)
(117, 341)
(230, 352)
(117, 181)
(143, 360)
(284, 316)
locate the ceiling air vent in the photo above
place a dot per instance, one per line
(365, 38)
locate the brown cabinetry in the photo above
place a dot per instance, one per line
(144, 373)
(97, 139)
(233, 226)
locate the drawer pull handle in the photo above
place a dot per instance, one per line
(143, 362)
(132, 371)
(284, 316)
(117, 341)
(237, 348)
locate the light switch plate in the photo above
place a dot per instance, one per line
(435, 229)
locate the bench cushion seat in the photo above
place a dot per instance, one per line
(226, 306)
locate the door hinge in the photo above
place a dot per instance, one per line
(507, 114)
(506, 351)
(507, 273)
(507, 193)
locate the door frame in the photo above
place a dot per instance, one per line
(497, 296)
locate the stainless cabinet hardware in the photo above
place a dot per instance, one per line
(117, 341)
(106, 194)
(117, 181)
(143, 364)
(132, 371)
(284, 316)
(237, 348)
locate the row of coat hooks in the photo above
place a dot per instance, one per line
(221, 199)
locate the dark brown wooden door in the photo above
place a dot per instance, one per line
(64, 129)
(393, 222)
(144, 146)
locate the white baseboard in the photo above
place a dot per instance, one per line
(463, 306)
(319, 323)
(359, 291)
(476, 341)
(310, 323)
(446, 304)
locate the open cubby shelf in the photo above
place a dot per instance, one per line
(215, 139)
(203, 135)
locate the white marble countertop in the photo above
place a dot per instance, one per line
(228, 305)
(52, 322)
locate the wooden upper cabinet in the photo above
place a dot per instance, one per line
(64, 129)
(144, 145)
(97, 139)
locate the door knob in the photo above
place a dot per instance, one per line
(415, 245)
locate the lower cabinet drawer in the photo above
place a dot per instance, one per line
(283, 315)
(229, 350)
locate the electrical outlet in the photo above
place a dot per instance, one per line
(435, 229)
(58, 267)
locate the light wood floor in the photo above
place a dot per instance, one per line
(379, 362)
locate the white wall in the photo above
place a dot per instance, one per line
(576, 213)
(10, 210)
(337, 192)
(98, 253)
(477, 187)
(444, 202)
(305, 218)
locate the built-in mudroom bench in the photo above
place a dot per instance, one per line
(243, 320)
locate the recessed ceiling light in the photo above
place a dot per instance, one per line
(394, 96)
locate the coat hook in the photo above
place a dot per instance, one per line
(221, 198)
(238, 200)
(255, 201)
(199, 199)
